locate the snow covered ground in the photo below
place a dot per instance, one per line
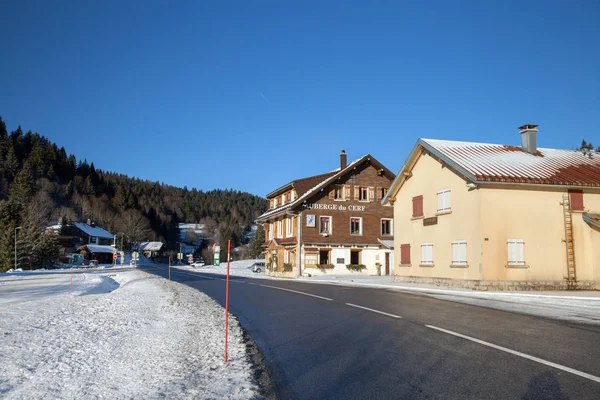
(121, 335)
(237, 268)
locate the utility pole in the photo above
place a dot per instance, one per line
(299, 245)
(16, 228)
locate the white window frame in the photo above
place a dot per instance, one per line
(391, 226)
(343, 189)
(360, 188)
(516, 252)
(311, 258)
(286, 256)
(279, 223)
(444, 197)
(330, 224)
(459, 253)
(427, 253)
(289, 227)
(271, 231)
(360, 227)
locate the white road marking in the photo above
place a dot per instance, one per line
(295, 291)
(517, 353)
(375, 311)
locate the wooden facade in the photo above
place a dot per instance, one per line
(342, 221)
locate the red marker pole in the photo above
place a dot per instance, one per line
(227, 299)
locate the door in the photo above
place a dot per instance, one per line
(387, 263)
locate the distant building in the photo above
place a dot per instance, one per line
(71, 237)
(151, 249)
(342, 222)
(495, 216)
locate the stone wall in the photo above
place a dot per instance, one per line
(497, 285)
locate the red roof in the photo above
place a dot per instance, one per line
(502, 163)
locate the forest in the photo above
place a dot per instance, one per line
(41, 183)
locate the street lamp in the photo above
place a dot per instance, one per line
(16, 228)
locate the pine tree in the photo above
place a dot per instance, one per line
(11, 164)
(257, 242)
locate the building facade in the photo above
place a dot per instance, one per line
(331, 223)
(497, 217)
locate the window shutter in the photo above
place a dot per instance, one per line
(371, 193)
(447, 200)
(418, 206)
(378, 193)
(332, 194)
(520, 250)
(576, 199)
(347, 190)
(356, 192)
(405, 254)
(440, 197)
(516, 252)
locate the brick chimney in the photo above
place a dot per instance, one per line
(89, 222)
(528, 138)
(343, 160)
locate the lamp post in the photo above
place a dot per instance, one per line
(16, 229)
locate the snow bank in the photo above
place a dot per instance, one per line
(150, 338)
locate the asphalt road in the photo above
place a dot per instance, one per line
(336, 342)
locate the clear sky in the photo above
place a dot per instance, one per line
(250, 94)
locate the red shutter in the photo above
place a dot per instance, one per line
(418, 206)
(576, 201)
(405, 254)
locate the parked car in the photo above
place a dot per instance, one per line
(258, 267)
(197, 264)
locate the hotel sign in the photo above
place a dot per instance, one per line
(430, 221)
(334, 207)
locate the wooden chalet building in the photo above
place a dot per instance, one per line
(338, 218)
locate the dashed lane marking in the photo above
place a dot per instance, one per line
(518, 353)
(295, 291)
(372, 310)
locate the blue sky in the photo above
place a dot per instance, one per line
(251, 94)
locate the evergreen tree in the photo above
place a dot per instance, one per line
(257, 242)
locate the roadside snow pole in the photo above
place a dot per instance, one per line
(71, 286)
(227, 298)
(169, 267)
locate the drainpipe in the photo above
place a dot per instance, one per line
(298, 243)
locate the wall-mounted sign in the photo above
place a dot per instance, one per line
(429, 221)
(334, 207)
(310, 220)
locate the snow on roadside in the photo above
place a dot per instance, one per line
(149, 338)
(237, 268)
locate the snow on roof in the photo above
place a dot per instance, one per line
(387, 243)
(151, 246)
(310, 191)
(96, 248)
(502, 163)
(93, 230)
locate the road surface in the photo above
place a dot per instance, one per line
(336, 342)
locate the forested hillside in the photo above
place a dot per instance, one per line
(40, 183)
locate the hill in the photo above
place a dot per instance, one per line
(40, 183)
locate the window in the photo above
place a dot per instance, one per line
(387, 227)
(363, 193)
(443, 200)
(338, 192)
(355, 225)
(427, 254)
(324, 257)
(325, 225)
(383, 192)
(576, 200)
(417, 206)
(405, 254)
(283, 199)
(355, 257)
(516, 252)
(288, 197)
(459, 252)
(310, 259)
(289, 227)
(271, 231)
(279, 228)
(286, 256)
(275, 203)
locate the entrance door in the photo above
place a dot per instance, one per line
(387, 263)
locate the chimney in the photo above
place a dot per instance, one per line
(528, 142)
(89, 222)
(343, 160)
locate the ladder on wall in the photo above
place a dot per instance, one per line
(571, 277)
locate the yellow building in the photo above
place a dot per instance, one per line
(488, 216)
